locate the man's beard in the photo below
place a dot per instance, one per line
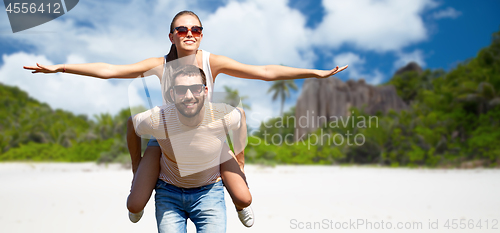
(182, 110)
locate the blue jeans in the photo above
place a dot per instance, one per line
(205, 206)
(153, 142)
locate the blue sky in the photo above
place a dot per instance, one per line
(374, 37)
(451, 39)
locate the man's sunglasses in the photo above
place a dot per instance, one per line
(182, 31)
(195, 89)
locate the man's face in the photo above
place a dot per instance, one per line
(189, 94)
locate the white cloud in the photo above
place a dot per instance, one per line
(354, 61)
(259, 32)
(405, 58)
(80, 95)
(376, 78)
(449, 12)
(356, 69)
(348, 58)
(386, 25)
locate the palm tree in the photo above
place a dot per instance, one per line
(281, 89)
(485, 96)
(105, 125)
(233, 97)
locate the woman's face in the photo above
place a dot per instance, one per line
(188, 42)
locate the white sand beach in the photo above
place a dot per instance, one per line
(85, 197)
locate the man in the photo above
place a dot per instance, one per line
(191, 133)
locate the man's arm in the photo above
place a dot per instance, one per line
(137, 125)
(134, 145)
(240, 138)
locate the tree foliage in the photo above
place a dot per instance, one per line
(31, 130)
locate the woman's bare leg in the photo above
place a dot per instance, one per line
(234, 180)
(145, 179)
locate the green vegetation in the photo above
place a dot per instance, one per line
(32, 131)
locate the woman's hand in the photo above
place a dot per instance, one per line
(44, 69)
(328, 73)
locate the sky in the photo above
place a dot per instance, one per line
(373, 37)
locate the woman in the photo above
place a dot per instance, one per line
(185, 35)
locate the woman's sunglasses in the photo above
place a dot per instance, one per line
(195, 89)
(182, 31)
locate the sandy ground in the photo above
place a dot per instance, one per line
(84, 197)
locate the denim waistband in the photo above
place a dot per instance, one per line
(188, 190)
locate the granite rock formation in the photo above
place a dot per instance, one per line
(412, 66)
(322, 99)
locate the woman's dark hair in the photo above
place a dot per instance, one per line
(172, 55)
(190, 70)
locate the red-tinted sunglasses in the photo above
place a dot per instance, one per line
(182, 31)
(195, 89)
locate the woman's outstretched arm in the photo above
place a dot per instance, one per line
(104, 70)
(222, 64)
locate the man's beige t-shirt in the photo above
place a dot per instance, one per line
(191, 156)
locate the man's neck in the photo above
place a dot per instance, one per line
(192, 121)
